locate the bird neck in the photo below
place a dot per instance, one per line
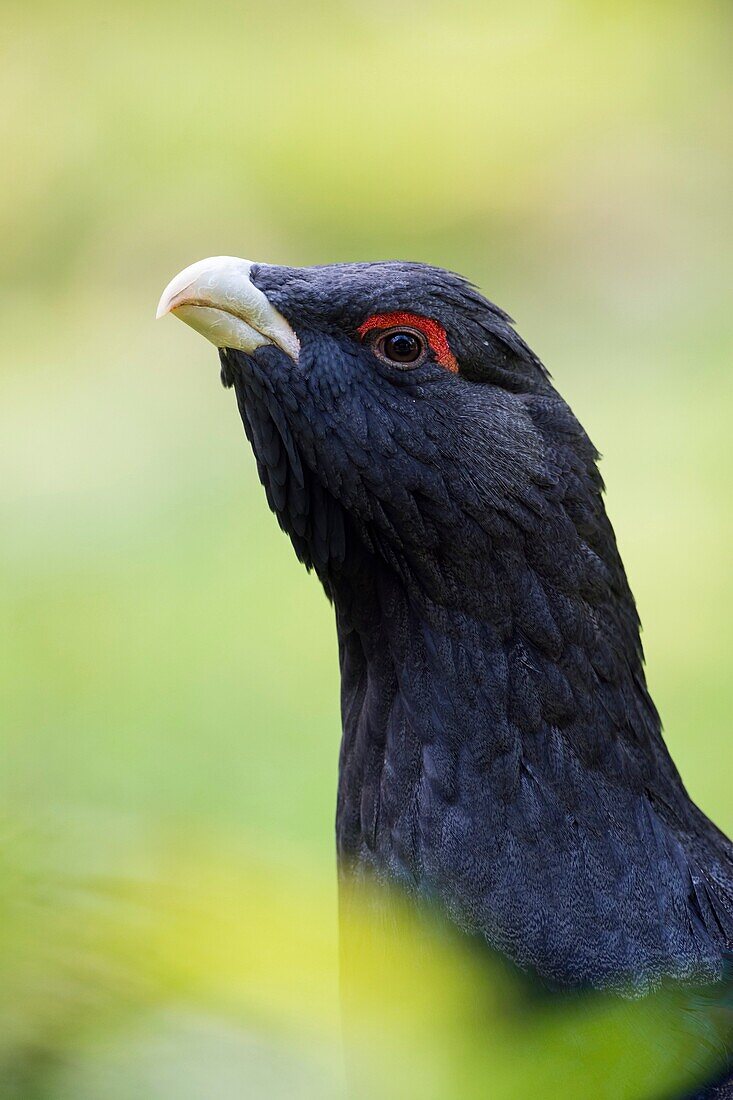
(500, 750)
(532, 795)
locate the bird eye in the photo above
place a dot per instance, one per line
(402, 346)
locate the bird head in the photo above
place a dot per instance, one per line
(395, 415)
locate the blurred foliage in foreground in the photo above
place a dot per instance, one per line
(168, 677)
(216, 976)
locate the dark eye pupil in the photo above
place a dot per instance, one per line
(402, 347)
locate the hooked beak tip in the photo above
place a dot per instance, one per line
(163, 308)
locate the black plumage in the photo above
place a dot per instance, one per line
(500, 752)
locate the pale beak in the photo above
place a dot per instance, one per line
(217, 298)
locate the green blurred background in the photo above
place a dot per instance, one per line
(168, 675)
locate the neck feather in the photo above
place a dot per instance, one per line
(532, 795)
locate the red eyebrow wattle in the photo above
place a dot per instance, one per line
(433, 332)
